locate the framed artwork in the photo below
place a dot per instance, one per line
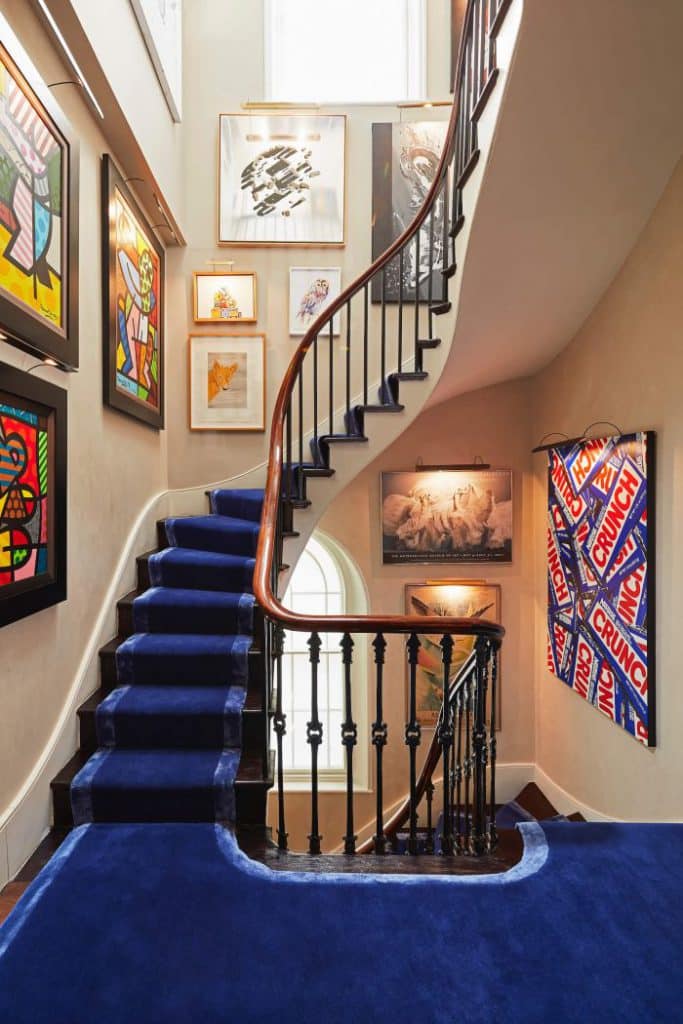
(224, 297)
(38, 212)
(467, 600)
(133, 289)
(228, 382)
(405, 157)
(281, 179)
(161, 25)
(33, 452)
(449, 515)
(311, 290)
(601, 558)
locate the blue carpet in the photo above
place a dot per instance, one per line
(171, 923)
(170, 733)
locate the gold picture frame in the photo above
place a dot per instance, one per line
(231, 309)
(227, 382)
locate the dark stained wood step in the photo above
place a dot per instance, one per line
(124, 614)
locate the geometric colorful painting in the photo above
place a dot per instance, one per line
(35, 215)
(600, 576)
(32, 491)
(133, 322)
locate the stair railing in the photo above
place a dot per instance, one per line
(396, 335)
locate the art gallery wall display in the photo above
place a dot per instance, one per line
(227, 382)
(601, 558)
(311, 290)
(466, 600)
(38, 212)
(224, 298)
(133, 290)
(405, 158)
(33, 453)
(281, 179)
(161, 25)
(453, 515)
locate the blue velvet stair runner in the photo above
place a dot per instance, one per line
(170, 733)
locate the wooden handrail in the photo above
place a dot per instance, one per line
(266, 550)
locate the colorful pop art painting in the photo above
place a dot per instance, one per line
(37, 254)
(32, 494)
(133, 305)
(600, 576)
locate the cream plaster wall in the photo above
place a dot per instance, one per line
(626, 365)
(495, 423)
(224, 68)
(115, 465)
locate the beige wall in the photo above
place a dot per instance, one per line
(625, 364)
(496, 424)
(224, 39)
(115, 465)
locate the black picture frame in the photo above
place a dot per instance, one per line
(114, 396)
(25, 597)
(388, 224)
(26, 329)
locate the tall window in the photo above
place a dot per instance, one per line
(345, 51)
(324, 582)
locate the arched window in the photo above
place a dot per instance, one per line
(325, 581)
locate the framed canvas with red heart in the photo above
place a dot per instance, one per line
(32, 494)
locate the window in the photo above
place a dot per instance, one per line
(324, 582)
(344, 51)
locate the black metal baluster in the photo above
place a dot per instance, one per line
(332, 376)
(413, 732)
(383, 334)
(483, 70)
(379, 740)
(314, 736)
(493, 832)
(301, 433)
(288, 451)
(365, 345)
(315, 391)
(400, 310)
(445, 212)
(445, 739)
(348, 360)
(467, 766)
(280, 726)
(430, 283)
(349, 732)
(476, 33)
(458, 773)
(479, 750)
(429, 793)
(418, 354)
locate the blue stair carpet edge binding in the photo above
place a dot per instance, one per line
(170, 734)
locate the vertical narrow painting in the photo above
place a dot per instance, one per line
(405, 158)
(133, 305)
(281, 179)
(600, 576)
(464, 600)
(32, 494)
(161, 25)
(38, 212)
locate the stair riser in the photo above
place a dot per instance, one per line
(191, 578)
(126, 624)
(109, 679)
(195, 619)
(252, 727)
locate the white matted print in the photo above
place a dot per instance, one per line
(161, 24)
(224, 297)
(281, 179)
(311, 290)
(227, 382)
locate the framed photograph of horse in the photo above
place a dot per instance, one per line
(228, 382)
(448, 515)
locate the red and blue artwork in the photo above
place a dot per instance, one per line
(600, 566)
(24, 485)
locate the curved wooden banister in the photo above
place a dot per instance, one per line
(266, 553)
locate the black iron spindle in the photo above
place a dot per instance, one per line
(365, 344)
(349, 732)
(314, 736)
(379, 740)
(467, 766)
(315, 391)
(429, 841)
(400, 310)
(418, 355)
(445, 739)
(413, 739)
(348, 359)
(430, 283)
(383, 333)
(483, 70)
(479, 749)
(493, 832)
(331, 399)
(301, 434)
(280, 726)
(288, 451)
(458, 772)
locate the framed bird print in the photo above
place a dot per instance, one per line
(281, 179)
(311, 290)
(38, 212)
(224, 297)
(133, 289)
(33, 453)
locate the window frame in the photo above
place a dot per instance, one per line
(416, 72)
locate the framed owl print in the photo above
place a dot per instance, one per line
(38, 212)
(311, 290)
(133, 289)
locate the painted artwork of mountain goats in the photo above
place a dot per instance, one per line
(462, 515)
